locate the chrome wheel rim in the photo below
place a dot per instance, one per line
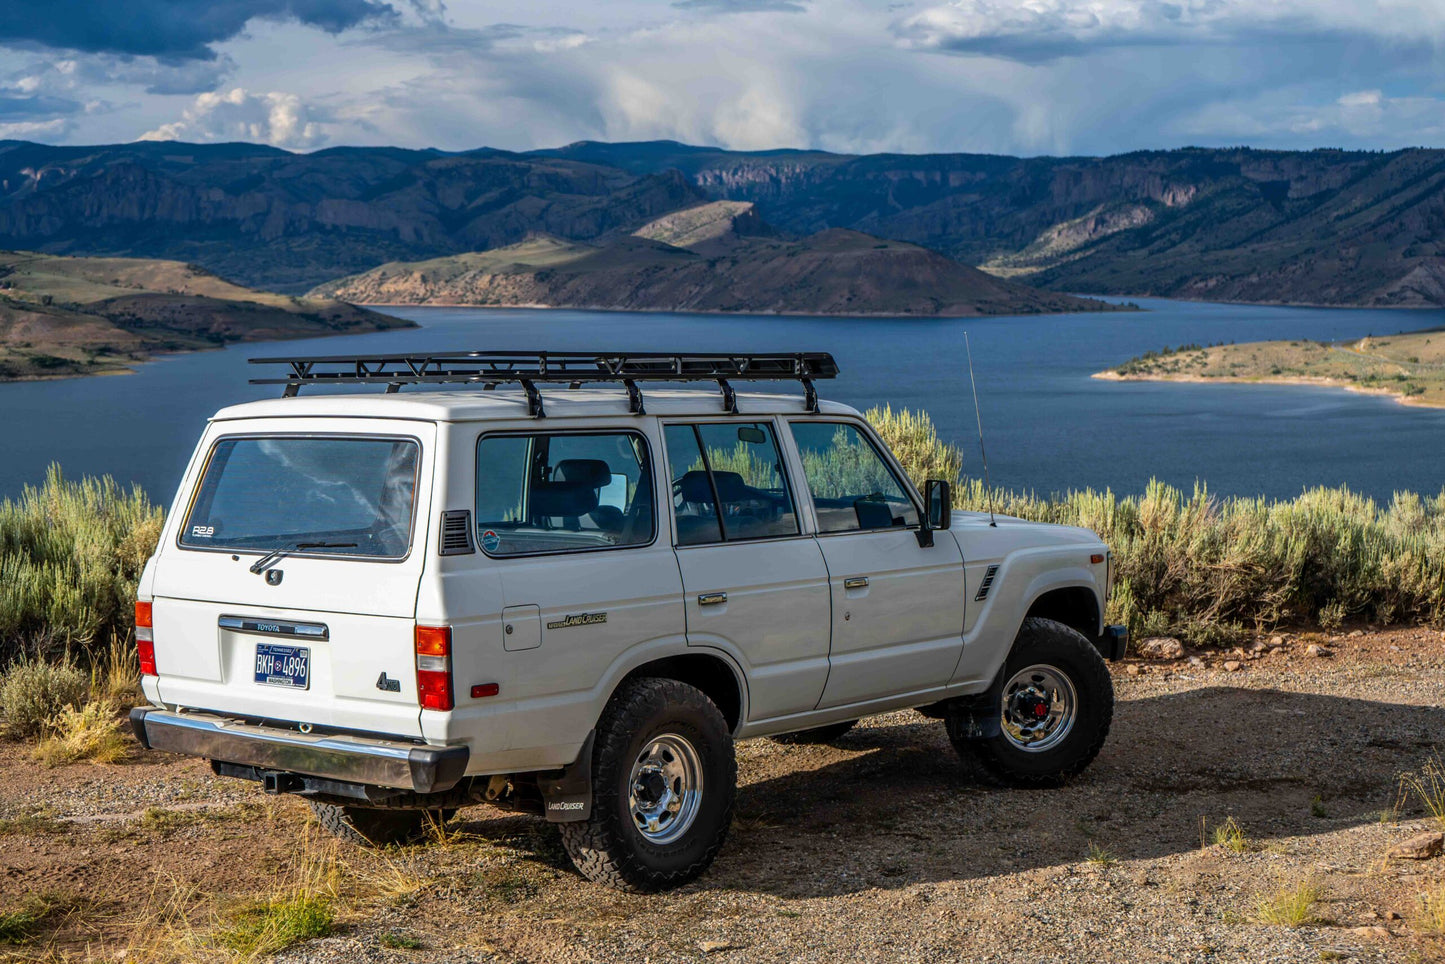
(1039, 708)
(665, 789)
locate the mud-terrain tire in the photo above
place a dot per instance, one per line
(657, 740)
(373, 827)
(1055, 700)
(818, 734)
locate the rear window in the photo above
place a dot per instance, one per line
(354, 495)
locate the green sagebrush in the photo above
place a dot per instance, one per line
(70, 555)
(1195, 564)
(1207, 567)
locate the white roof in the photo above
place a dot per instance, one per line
(464, 405)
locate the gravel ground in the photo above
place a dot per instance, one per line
(882, 847)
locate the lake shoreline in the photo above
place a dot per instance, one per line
(1313, 381)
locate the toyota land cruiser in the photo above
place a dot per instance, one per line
(395, 604)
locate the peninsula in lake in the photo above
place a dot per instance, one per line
(1409, 367)
(714, 257)
(87, 316)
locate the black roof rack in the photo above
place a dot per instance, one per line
(492, 368)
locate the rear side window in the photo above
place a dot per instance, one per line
(354, 495)
(728, 483)
(853, 488)
(558, 492)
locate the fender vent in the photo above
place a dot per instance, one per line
(457, 532)
(987, 583)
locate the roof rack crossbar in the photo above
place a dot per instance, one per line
(528, 369)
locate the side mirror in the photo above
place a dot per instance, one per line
(938, 510)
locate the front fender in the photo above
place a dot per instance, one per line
(1023, 578)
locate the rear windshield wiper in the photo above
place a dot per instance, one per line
(260, 565)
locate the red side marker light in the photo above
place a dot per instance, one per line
(1097, 558)
(485, 689)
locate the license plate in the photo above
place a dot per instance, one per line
(288, 666)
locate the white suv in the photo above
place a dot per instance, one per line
(396, 604)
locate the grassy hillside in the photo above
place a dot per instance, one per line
(77, 316)
(713, 257)
(1410, 367)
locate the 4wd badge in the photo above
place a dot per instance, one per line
(582, 619)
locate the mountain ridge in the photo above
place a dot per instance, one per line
(1317, 227)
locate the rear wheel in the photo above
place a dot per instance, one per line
(1055, 702)
(663, 782)
(818, 734)
(371, 827)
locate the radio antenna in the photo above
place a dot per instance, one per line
(972, 383)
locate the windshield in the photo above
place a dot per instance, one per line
(354, 494)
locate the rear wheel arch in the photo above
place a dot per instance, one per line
(715, 676)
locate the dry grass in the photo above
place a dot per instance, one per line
(1230, 836)
(162, 932)
(1430, 917)
(300, 909)
(1100, 856)
(91, 733)
(35, 914)
(1290, 906)
(115, 674)
(1427, 786)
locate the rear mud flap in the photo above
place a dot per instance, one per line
(567, 793)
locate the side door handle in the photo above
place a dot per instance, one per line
(712, 598)
(855, 582)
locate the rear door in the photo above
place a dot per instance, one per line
(753, 584)
(897, 607)
(323, 633)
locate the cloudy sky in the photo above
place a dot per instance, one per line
(1000, 76)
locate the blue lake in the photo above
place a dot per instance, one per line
(1049, 426)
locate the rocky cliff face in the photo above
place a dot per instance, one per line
(287, 221)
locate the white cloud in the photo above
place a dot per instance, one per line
(994, 76)
(1039, 30)
(279, 119)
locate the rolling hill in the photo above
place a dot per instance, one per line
(81, 316)
(718, 257)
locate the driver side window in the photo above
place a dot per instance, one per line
(728, 483)
(853, 488)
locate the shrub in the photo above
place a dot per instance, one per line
(32, 691)
(1290, 906)
(1209, 567)
(70, 556)
(90, 733)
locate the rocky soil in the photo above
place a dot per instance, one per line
(883, 847)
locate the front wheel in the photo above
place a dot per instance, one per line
(1055, 702)
(663, 781)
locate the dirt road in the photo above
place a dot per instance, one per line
(883, 847)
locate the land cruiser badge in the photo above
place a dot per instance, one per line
(582, 619)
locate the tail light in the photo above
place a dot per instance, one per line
(434, 667)
(145, 639)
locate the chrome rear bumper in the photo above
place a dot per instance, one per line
(350, 759)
